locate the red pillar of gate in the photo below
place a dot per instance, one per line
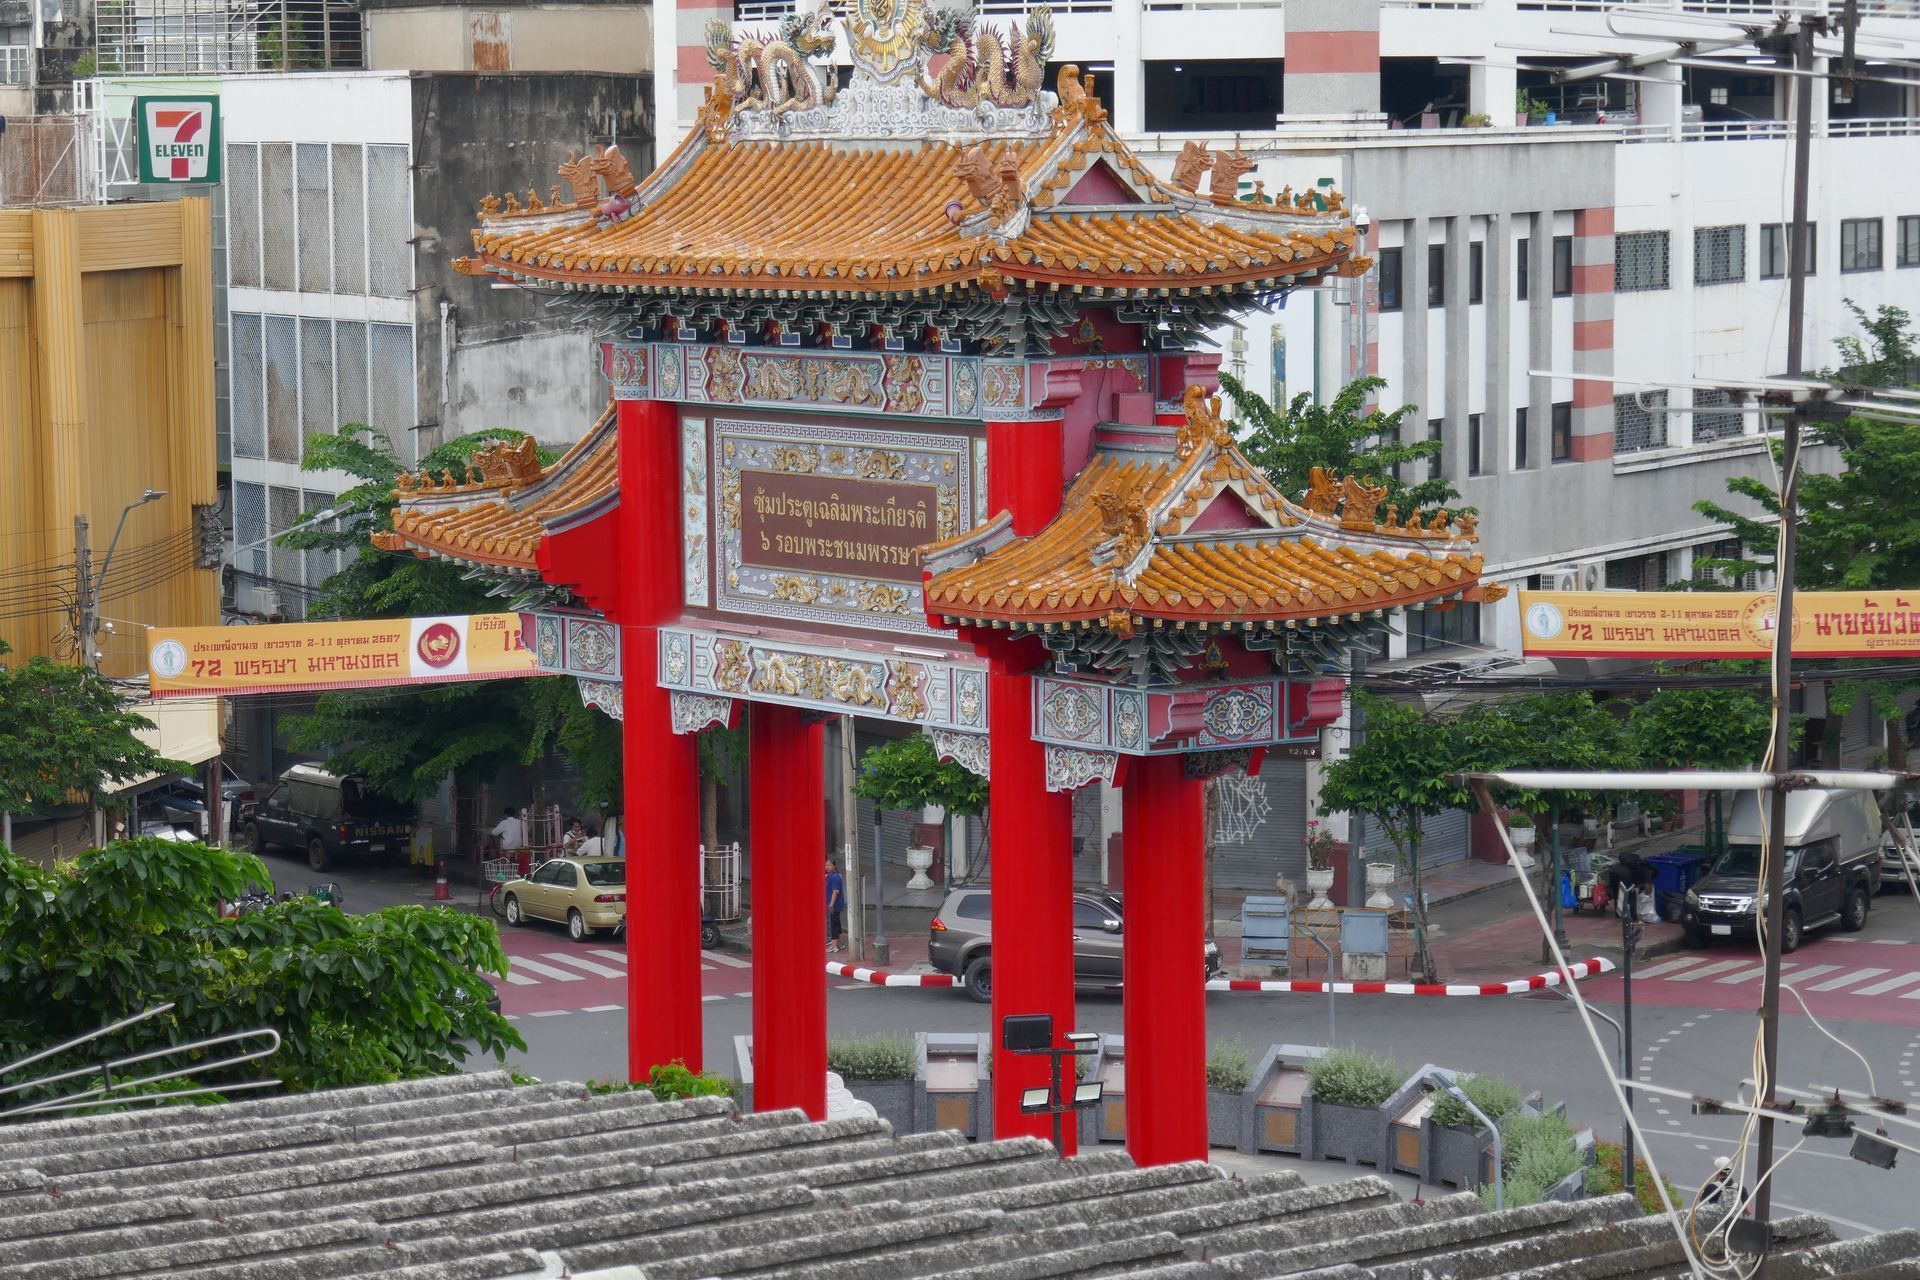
(1163, 955)
(661, 820)
(787, 824)
(1032, 867)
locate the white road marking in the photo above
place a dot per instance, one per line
(1748, 975)
(601, 1008)
(1668, 966)
(1885, 942)
(608, 953)
(1720, 966)
(732, 962)
(521, 979)
(551, 1013)
(1891, 984)
(544, 970)
(711, 999)
(598, 970)
(1812, 971)
(1848, 979)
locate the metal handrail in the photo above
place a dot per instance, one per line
(105, 1069)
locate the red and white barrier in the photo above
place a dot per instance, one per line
(1519, 986)
(882, 978)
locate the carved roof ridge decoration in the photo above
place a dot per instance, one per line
(1124, 550)
(498, 522)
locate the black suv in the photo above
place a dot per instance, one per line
(328, 816)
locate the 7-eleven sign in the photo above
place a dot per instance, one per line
(179, 139)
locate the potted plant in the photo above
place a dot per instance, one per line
(1478, 120)
(1520, 831)
(1345, 1090)
(1319, 843)
(1380, 878)
(906, 774)
(1527, 107)
(879, 1070)
(1459, 1146)
(1229, 1072)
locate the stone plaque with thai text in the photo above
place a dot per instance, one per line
(836, 524)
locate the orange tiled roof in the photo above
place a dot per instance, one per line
(888, 216)
(1125, 548)
(500, 519)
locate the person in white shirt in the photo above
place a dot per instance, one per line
(510, 833)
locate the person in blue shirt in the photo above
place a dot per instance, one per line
(836, 904)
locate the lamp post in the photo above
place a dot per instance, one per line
(90, 591)
(1446, 1085)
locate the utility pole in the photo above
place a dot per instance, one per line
(86, 609)
(850, 847)
(1773, 871)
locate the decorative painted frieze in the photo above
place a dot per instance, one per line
(1096, 716)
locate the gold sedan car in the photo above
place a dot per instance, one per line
(585, 894)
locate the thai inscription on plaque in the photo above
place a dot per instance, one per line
(835, 524)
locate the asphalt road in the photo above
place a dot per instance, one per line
(1693, 1023)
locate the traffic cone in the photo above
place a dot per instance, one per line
(441, 893)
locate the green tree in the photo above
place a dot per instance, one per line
(1343, 437)
(64, 733)
(1688, 726)
(356, 999)
(403, 744)
(907, 774)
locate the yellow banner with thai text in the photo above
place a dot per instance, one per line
(1716, 624)
(292, 657)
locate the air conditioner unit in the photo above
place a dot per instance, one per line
(1564, 580)
(1592, 574)
(251, 597)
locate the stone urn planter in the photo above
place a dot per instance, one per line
(919, 859)
(1522, 838)
(1380, 877)
(1319, 884)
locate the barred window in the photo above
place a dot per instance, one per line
(1860, 244)
(1713, 416)
(1907, 234)
(1719, 255)
(1432, 628)
(1636, 428)
(1639, 261)
(1637, 573)
(1725, 549)
(1774, 250)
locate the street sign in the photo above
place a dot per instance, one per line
(178, 138)
(320, 656)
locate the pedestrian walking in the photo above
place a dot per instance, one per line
(836, 904)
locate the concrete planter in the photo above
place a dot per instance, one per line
(1108, 1121)
(891, 1099)
(1226, 1118)
(1357, 1135)
(743, 1073)
(1276, 1118)
(1460, 1158)
(939, 1097)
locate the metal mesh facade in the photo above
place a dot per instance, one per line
(1719, 255)
(350, 370)
(316, 377)
(283, 512)
(348, 202)
(1636, 428)
(316, 255)
(390, 362)
(389, 223)
(283, 389)
(249, 391)
(242, 188)
(319, 565)
(1639, 261)
(277, 223)
(250, 525)
(1713, 417)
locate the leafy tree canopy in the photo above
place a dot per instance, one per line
(64, 733)
(1345, 438)
(906, 774)
(1712, 727)
(404, 743)
(356, 999)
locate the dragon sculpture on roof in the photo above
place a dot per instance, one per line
(983, 64)
(771, 73)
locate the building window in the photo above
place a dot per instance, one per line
(1714, 417)
(1477, 272)
(1727, 549)
(1774, 249)
(1436, 275)
(294, 378)
(1639, 261)
(1636, 427)
(1907, 248)
(1523, 250)
(1436, 433)
(1860, 244)
(1563, 266)
(1473, 445)
(1719, 255)
(1389, 270)
(1563, 431)
(1520, 439)
(1637, 573)
(1432, 628)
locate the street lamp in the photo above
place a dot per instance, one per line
(1032, 1033)
(1446, 1085)
(90, 607)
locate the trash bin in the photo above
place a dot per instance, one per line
(1673, 874)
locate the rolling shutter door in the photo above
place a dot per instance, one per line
(1274, 848)
(1443, 839)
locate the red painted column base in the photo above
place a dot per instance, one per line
(1163, 956)
(787, 829)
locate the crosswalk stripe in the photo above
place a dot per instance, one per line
(597, 970)
(1718, 967)
(521, 980)
(608, 953)
(732, 962)
(1891, 984)
(711, 999)
(601, 1008)
(1910, 995)
(1848, 979)
(544, 970)
(1668, 966)
(1812, 971)
(1748, 975)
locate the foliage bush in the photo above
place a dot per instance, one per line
(1490, 1093)
(1537, 1151)
(1353, 1077)
(356, 999)
(1604, 1179)
(886, 1055)
(671, 1082)
(907, 774)
(1228, 1066)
